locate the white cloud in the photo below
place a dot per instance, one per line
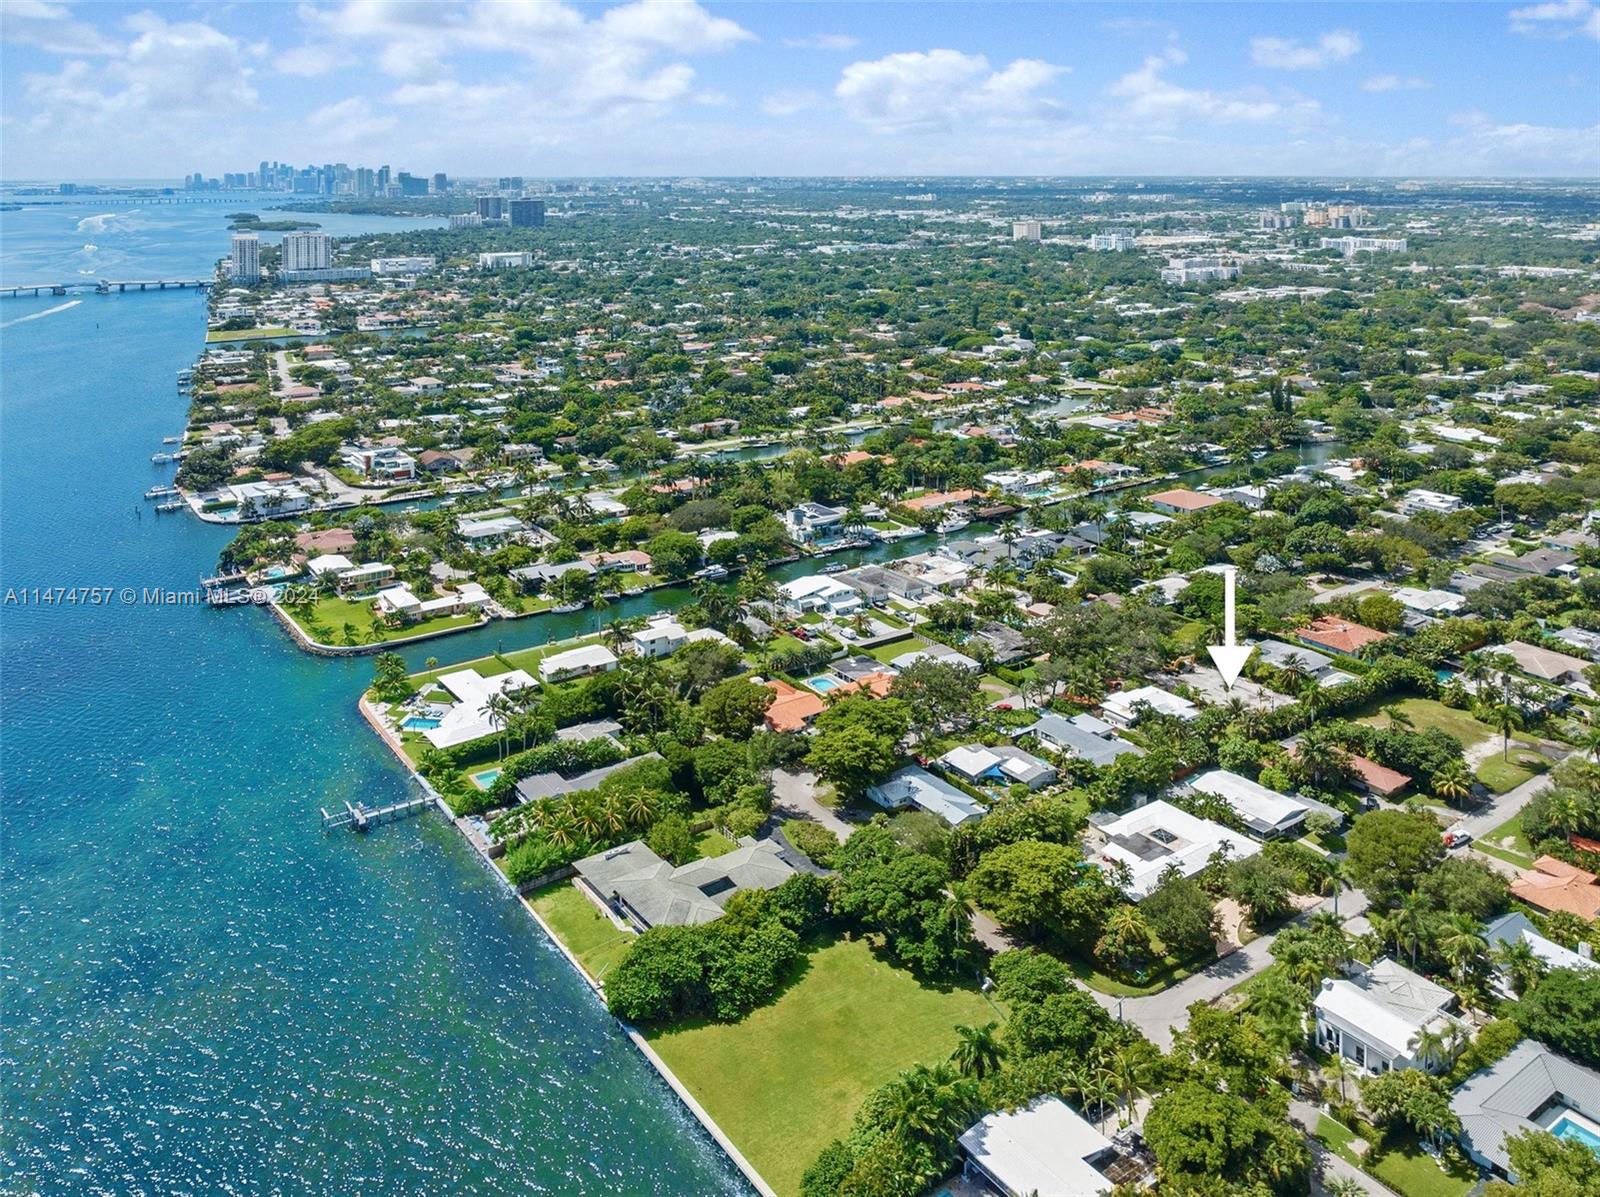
(1394, 83)
(52, 27)
(790, 101)
(309, 60)
(1558, 18)
(173, 71)
(823, 41)
(349, 122)
(938, 89)
(1495, 147)
(1150, 98)
(1290, 54)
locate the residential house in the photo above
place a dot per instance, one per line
(540, 786)
(379, 462)
(639, 887)
(486, 533)
(265, 500)
(1429, 602)
(467, 718)
(1080, 738)
(1266, 813)
(819, 593)
(880, 584)
(1005, 643)
(794, 709)
(1553, 885)
(536, 577)
(1531, 1088)
(915, 786)
(1122, 708)
(1417, 501)
(1339, 636)
(1156, 837)
(1516, 928)
(1559, 668)
(1543, 563)
(1182, 501)
(582, 661)
(941, 653)
(660, 637)
(1383, 1016)
(1000, 763)
(813, 521)
(1045, 1149)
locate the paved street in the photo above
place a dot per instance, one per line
(1160, 1014)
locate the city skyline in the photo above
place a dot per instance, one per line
(656, 87)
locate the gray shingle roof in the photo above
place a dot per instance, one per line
(1500, 1101)
(656, 894)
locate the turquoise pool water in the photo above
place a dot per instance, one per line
(418, 723)
(1565, 1128)
(487, 778)
(821, 684)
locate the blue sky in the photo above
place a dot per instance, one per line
(541, 87)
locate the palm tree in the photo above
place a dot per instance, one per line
(1462, 945)
(1398, 719)
(1505, 718)
(1429, 1046)
(1342, 1070)
(1410, 923)
(1521, 965)
(1453, 782)
(978, 1050)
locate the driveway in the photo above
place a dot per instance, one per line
(1505, 807)
(1325, 1166)
(794, 796)
(1160, 1014)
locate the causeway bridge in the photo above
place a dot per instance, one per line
(109, 286)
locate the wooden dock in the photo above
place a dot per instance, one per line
(359, 817)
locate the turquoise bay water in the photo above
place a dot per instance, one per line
(203, 993)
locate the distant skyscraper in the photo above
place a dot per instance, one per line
(489, 207)
(246, 263)
(510, 182)
(307, 251)
(441, 182)
(1025, 230)
(411, 184)
(527, 214)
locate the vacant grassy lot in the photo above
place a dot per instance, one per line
(588, 934)
(787, 1079)
(1501, 775)
(1426, 712)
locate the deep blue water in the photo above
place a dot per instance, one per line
(203, 992)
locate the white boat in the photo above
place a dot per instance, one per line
(953, 523)
(175, 505)
(160, 492)
(838, 567)
(567, 608)
(163, 458)
(172, 440)
(712, 573)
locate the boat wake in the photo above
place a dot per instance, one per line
(60, 307)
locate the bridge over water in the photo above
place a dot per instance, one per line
(108, 286)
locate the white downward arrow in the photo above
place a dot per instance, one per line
(1230, 656)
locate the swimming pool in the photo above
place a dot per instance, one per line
(486, 779)
(418, 723)
(822, 684)
(1566, 1128)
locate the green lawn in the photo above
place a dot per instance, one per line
(712, 842)
(1405, 1168)
(786, 1080)
(249, 334)
(1426, 712)
(588, 934)
(1501, 775)
(1508, 843)
(891, 649)
(332, 613)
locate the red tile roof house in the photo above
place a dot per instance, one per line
(1555, 885)
(793, 709)
(1182, 502)
(1339, 635)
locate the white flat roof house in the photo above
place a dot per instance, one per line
(1265, 812)
(576, 662)
(1045, 1148)
(466, 719)
(1119, 709)
(661, 637)
(1515, 927)
(818, 593)
(1419, 500)
(1158, 836)
(1377, 1018)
